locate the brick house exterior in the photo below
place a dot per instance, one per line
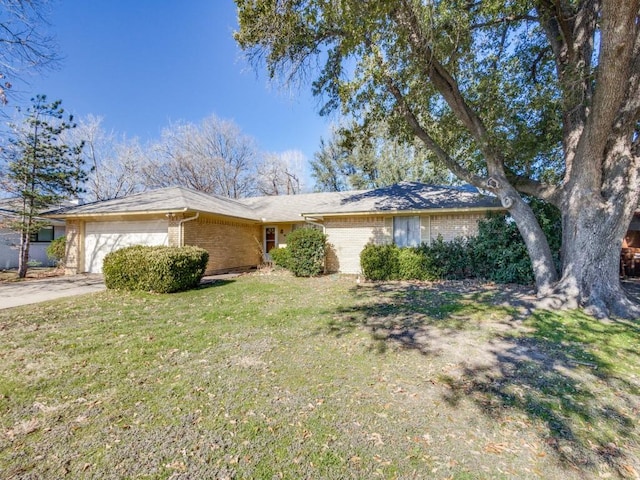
(238, 234)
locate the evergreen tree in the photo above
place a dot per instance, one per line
(40, 170)
(358, 159)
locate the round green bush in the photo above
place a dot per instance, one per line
(307, 250)
(414, 264)
(380, 262)
(156, 269)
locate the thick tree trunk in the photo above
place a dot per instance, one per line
(592, 240)
(544, 269)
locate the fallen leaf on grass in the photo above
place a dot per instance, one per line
(496, 448)
(376, 438)
(23, 428)
(627, 471)
(177, 466)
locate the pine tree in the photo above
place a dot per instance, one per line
(40, 169)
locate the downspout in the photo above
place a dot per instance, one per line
(317, 225)
(181, 230)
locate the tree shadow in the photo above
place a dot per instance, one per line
(571, 375)
(213, 282)
(413, 315)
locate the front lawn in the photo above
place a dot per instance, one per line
(270, 376)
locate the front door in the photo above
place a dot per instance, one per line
(270, 241)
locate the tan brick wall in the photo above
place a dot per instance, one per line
(230, 244)
(74, 231)
(451, 226)
(173, 231)
(348, 236)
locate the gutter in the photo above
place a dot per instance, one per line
(112, 214)
(181, 229)
(431, 211)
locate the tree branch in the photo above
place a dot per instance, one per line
(413, 122)
(448, 88)
(615, 69)
(570, 31)
(503, 20)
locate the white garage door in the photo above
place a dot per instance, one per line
(104, 237)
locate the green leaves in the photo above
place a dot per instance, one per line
(495, 53)
(158, 269)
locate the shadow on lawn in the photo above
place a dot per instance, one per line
(213, 282)
(561, 370)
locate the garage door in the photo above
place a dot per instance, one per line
(104, 237)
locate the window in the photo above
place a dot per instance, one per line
(45, 234)
(269, 238)
(406, 231)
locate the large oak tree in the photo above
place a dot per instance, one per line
(528, 97)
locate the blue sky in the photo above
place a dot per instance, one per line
(142, 64)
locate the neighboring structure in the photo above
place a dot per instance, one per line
(10, 239)
(630, 254)
(239, 233)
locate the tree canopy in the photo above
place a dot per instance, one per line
(536, 97)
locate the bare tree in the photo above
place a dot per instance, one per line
(279, 174)
(116, 162)
(24, 44)
(213, 157)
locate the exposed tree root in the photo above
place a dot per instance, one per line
(601, 302)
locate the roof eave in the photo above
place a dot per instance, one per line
(81, 215)
(403, 212)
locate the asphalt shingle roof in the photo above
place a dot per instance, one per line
(170, 199)
(405, 196)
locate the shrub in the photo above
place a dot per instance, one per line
(499, 252)
(281, 257)
(417, 264)
(449, 260)
(307, 249)
(380, 262)
(410, 264)
(158, 269)
(57, 250)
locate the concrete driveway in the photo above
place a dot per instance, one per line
(14, 294)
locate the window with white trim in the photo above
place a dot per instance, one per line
(406, 231)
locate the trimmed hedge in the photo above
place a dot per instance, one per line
(388, 262)
(155, 269)
(307, 248)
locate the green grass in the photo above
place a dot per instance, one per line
(270, 376)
